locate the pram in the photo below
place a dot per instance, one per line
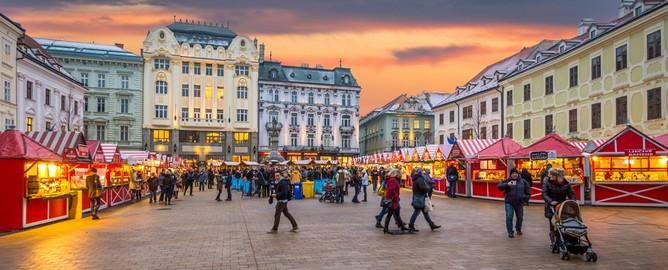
(328, 194)
(570, 232)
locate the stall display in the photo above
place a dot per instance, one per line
(464, 152)
(630, 169)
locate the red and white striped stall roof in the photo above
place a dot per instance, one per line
(470, 148)
(593, 144)
(58, 141)
(109, 150)
(420, 152)
(407, 153)
(134, 157)
(431, 151)
(387, 157)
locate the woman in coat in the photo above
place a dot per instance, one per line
(555, 191)
(392, 199)
(421, 189)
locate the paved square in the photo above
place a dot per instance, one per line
(200, 233)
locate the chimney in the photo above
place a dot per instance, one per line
(625, 6)
(261, 53)
(584, 25)
(120, 45)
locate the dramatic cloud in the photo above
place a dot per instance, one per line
(431, 54)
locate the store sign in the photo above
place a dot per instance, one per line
(82, 150)
(70, 154)
(543, 155)
(640, 152)
(308, 154)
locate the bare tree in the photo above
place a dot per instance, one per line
(477, 119)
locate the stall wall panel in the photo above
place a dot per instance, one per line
(494, 192)
(461, 188)
(11, 195)
(631, 194)
(36, 210)
(58, 208)
(479, 189)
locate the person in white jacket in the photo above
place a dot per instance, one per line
(365, 183)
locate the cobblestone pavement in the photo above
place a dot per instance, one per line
(200, 233)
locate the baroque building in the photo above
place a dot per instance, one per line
(200, 98)
(406, 121)
(315, 111)
(10, 32)
(114, 77)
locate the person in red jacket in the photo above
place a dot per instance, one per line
(392, 199)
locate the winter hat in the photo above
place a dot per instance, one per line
(514, 170)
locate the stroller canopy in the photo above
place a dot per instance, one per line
(569, 209)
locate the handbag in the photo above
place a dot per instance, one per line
(418, 202)
(381, 191)
(428, 207)
(386, 202)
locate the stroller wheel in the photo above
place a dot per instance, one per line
(594, 257)
(565, 256)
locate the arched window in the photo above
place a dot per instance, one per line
(294, 97)
(160, 87)
(346, 79)
(273, 74)
(310, 98)
(345, 120)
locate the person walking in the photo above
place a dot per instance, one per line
(94, 188)
(189, 181)
(138, 185)
(453, 175)
(374, 178)
(340, 185)
(162, 182)
(365, 183)
(220, 178)
(169, 183)
(392, 201)
(152, 188)
(202, 178)
(283, 194)
(516, 193)
(420, 192)
(228, 185)
(356, 183)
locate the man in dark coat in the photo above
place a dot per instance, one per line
(94, 192)
(516, 193)
(452, 176)
(283, 194)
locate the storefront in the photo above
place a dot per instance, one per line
(491, 168)
(433, 161)
(554, 150)
(630, 169)
(464, 155)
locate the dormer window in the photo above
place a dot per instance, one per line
(637, 11)
(592, 33)
(273, 74)
(308, 76)
(562, 48)
(325, 78)
(538, 58)
(243, 43)
(346, 79)
(520, 66)
(292, 75)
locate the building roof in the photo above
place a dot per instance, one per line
(203, 34)
(34, 52)
(420, 104)
(501, 149)
(551, 142)
(84, 49)
(17, 25)
(275, 71)
(17, 145)
(628, 140)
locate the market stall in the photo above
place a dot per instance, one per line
(464, 155)
(554, 150)
(431, 161)
(117, 175)
(36, 187)
(491, 168)
(630, 169)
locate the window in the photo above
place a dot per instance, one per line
(184, 113)
(527, 92)
(495, 105)
(596, 115)
(125, 105)
(29, 124)
(293, 97)
(452, 116)
(160, 136)
(416, 140)
(394, 140)
(9, 123)
(76, 107)
(309, 140)
(509, 98)
(405, 140)
(495, 131)
(654, 45)
(327, 121)
(483, 133)
(592, 33)
(293, 119)
(47, 125)
(637, 11)
(276, 96)
(345, 120)
(125, 135)
(242, 92)
(427, 124)
(596, 67)
(161, 63)
(395, 123)
(213, 137)
(47, 97)
(310, 120)
(84, 79)
(185, 68)
(406, 124)
(573, 76)
(161, 111)
(101, 80)
(242, 115)
(467, 134)
(310, 99)
(85, 104)
(345, 142)
(416, 124)
(241, 70)
(160, 87)
(483, 107)
(327, 99)
(509, 130)
(293, 139)
(326, 140)
(549, 85)
(549, 124)
(441, 139)
(208, 114)
(220, 114)
(7, 91)
(527, 129)
(28, 89)
(273, 116)
(101, 104)
(185, 90)
(441, 118)
(467, 112)
(241, 137)
(125, 82)
(197, 69)
(209, 69)
(621, 114)
(562, 48)
(100, 132)
(196, 114)
(63, 103)
(621, 55)
(197, 91)
(220, 70)
(654, 104)
(573, 120)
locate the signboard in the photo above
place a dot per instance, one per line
(70, 154)
(543, 155)
(82, 150)
(640, 152)
(310, 154)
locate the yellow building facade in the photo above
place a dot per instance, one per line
(592, 86)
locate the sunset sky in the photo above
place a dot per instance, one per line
(392, 46)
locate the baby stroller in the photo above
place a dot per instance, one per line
(328, 193)
(570, 232)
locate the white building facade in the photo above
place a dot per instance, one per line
(316, 111)
(200, 92)
(49, 98)
(10, 32)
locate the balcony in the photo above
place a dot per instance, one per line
(201, 122)
(347, 130)
(270, 126)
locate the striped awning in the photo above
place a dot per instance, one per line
(407, 153)
(431, 150)
(420, 152)
(588, 146)
(109, 150)
(134, 157)
(58, 141)
(387, 157)
(470, 148)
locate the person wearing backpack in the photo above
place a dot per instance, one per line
(421, 190)
(283, 194)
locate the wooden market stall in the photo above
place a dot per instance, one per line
(491, 168)
(464, 155)
(118, 175)
(630, 169)
(554, 150)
